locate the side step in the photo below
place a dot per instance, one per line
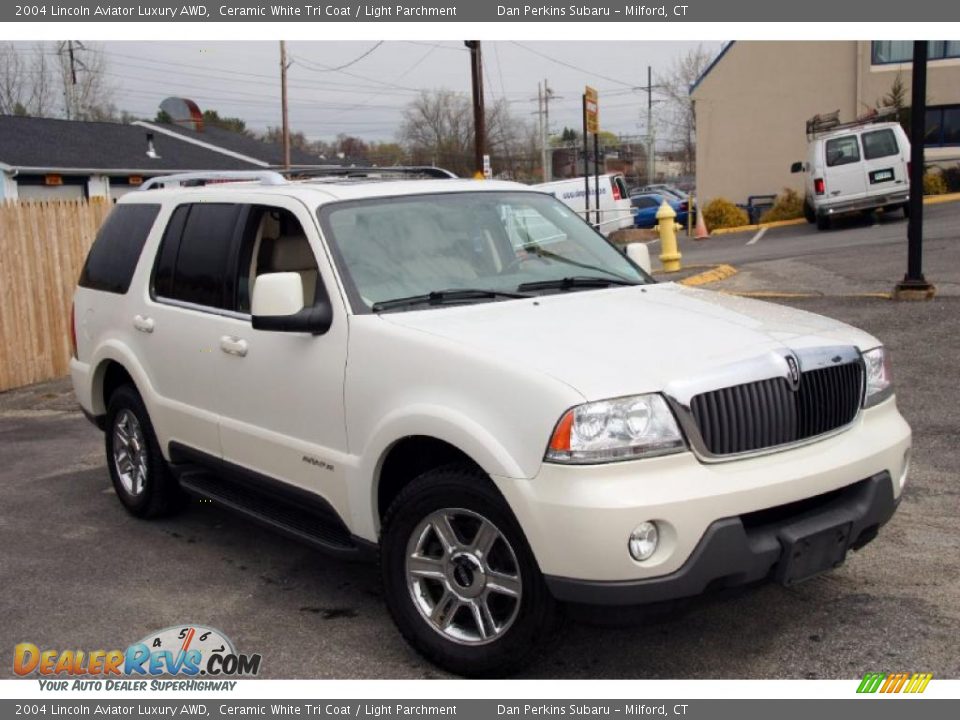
(287, 509)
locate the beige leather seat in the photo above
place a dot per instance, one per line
(292, 253)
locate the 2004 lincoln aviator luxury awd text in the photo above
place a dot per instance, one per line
(465, 380)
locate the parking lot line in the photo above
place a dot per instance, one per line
(760, 233)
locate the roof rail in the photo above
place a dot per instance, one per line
(823, 123)
(386, 172)
(266, 177)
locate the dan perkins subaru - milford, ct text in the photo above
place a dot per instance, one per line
(585, 11)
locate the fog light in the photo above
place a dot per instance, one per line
(643, 541)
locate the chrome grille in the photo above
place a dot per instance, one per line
(767, 413)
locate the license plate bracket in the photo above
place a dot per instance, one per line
(808, 554)
(879, 176)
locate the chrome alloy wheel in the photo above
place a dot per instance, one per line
(129, 452)
(463, 576)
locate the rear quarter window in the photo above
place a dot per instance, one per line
(842, 151)
(879, 143)
(116, 250)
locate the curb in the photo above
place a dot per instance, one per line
(774, 295)
(927, 200)
(940, 199)
(720, 272)
(759, 226)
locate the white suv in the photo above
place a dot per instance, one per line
(466, 379)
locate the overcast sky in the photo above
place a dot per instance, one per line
(366, 98)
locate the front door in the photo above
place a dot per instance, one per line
(281, 393)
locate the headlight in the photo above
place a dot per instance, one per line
(621, 429)
(879, 377)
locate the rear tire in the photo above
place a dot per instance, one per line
(808, 212)
(906, 210)
(459, 578)
(823, 222)
(141, 478)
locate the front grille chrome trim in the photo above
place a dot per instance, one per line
(752, 374)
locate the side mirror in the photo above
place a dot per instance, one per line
(277, 305)
(796, 167)
(640, 254)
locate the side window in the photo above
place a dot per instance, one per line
(114, 255)
(274, 241)
(843, 151)
(196, 269)
(879, 143)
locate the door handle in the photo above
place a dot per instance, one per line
(233, 345)
(143, 323)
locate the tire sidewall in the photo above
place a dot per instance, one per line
(470, 491)
(126, 398)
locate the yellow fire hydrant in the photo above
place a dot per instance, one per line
(668, 228)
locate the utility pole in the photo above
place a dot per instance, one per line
(283, 104)
(914, 286)
(651, 137)
(651, 132)
(544, 95)
(479, 124)
(70, 91)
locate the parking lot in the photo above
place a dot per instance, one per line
(78, 572)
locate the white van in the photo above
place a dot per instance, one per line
(615, 209)
(860, 166)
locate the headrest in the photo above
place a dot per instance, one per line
(292, 253)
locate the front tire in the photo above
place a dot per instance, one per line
(141, 478)
(459, 578)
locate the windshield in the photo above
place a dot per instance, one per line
(508, 243)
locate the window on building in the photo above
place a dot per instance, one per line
(942, 126)
(843, 151)
(884, 52)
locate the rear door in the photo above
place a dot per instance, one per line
(180, 322)
(884, 161)
(845, 178)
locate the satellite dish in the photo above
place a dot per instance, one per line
(183, 112)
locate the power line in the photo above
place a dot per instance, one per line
(568, 65)
(356, 59)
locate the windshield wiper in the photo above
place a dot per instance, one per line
(439, 297)
(575, 281)
(544, 253)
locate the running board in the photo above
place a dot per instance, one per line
(297, 514)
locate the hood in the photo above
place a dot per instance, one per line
(627, 340)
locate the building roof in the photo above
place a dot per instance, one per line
(711, 66)
(232, 142)
(29, 143)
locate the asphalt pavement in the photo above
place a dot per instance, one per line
(78, 572)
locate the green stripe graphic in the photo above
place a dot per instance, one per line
(871, 682)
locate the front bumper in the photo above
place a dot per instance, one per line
(577, 519)
(740, 550)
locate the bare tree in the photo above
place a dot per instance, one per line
(680, 116)
(26, 80)
(437, 129)
(87, 92)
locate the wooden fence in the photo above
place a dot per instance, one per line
(42, 249)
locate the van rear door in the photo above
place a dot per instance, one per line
(845, 179)
(884, 162)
